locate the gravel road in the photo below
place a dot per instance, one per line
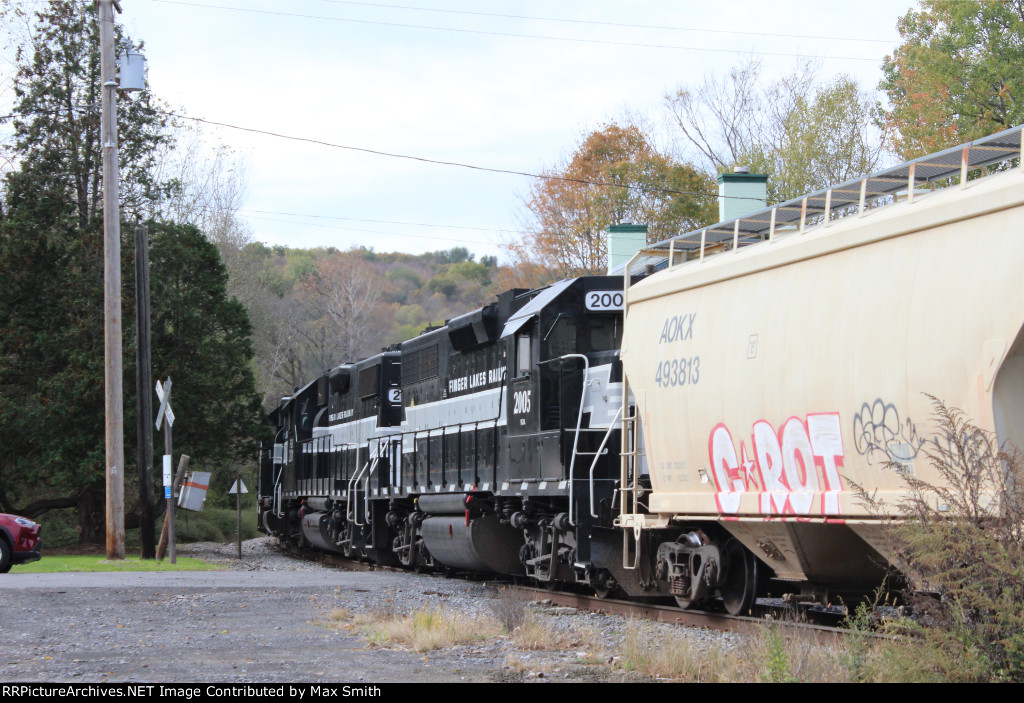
(266, 619)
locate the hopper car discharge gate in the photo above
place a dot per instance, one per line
(723, 509)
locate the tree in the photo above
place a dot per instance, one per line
(201, 338)
(956, 76)
(341, 295)
(56, 125)
(51, 378)
(51, 282)
(614, 176)
(803, 135)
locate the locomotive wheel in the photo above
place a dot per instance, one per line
(604, 585)
(739, 588)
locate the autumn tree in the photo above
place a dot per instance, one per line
(804, 134)
(615, 175)
(956, 76)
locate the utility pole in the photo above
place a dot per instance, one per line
(143, 378)
(111, 288)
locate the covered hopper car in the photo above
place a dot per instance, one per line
(769, 364)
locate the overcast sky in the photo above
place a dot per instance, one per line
(500, 84)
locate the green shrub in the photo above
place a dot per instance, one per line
(214, 525)
(60, 528)
(962, 546)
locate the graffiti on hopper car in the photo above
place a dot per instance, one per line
(880, 435)
(793, 470)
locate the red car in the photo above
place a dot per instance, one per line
(19, 541)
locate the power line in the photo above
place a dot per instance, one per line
(608, 24)
(372, 231)
(510, 34)
(387, 222)
(157, 212)
(377, 152)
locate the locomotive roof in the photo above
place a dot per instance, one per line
(523, 314)
(875, 190)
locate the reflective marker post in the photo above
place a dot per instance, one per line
(238, 488)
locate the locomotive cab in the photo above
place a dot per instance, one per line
(562, 397)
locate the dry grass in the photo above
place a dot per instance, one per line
(516, 662)
(422, 630)
(534, 634)
(646, 651)
(509, 608)
(774, 655)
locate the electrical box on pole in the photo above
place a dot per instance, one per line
(132, 74)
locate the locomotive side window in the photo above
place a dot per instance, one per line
(306, 415)
(561, 337)
(605, 332)
(524, 355)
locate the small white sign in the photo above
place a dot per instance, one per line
(238, 487)
(167, 470)
(602, 300)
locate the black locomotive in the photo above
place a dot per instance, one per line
(489, 444)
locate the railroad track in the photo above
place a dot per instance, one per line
(769, 614)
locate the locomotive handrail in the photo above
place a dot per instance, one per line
(579, 423)
(350, 511)
(366, 482)
(597, 455)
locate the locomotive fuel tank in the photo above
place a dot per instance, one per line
(772, 380)
(460, 539)
(316, 531)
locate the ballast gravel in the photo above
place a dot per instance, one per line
(267, 618)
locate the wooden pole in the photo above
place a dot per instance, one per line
(165, 534)
(111, 290)
(143, 382)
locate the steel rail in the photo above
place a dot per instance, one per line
(655, 612)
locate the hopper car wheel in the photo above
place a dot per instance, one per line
(685, 603)
(739, 588)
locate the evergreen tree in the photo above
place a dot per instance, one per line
(56, 120)
(51, 288)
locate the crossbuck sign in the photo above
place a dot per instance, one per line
(164, 394)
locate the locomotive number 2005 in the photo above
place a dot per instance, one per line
(678, 372)
(521, 402)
